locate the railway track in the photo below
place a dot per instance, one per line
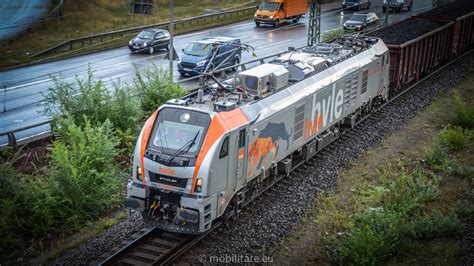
(158, 247)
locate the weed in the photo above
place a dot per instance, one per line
(84, 174)
(454, 138)
(90, 97)
(327, 36)
(155, 88)
(392, 217)
(463, 114)
(437, 155)
(105, 223)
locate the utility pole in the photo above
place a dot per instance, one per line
(314, 30)
(171, 48)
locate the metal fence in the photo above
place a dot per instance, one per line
(107, 36)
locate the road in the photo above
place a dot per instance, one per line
(24, 88)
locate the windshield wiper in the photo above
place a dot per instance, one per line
(186, 146)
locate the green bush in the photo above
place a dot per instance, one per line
(84, 174)
(434, 225)
(463, 114)
(382, 228)
(372, 237)
(155, 88)
(327, 36)
(454, 138)
(26, 211)
(437, 155)
(407, 194)
(90, 97)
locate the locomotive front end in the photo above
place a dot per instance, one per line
(164, 185)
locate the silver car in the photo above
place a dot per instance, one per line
(361, 21)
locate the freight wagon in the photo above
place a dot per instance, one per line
(422, 43)
(416, 48)
(461, 13)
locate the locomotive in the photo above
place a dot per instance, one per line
(204, 156)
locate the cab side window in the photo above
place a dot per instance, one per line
(242, 138)
(225, 148)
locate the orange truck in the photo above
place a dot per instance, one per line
(274, 12)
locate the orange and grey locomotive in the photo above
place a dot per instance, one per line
(204, 156)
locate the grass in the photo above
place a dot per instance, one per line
(83, 18)
(404, 202)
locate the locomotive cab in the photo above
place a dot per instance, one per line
(161, 185)
(185, 161)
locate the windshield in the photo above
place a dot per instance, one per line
(270, 6)
(360, 18)
(147, 35)
(197, 49)
(352, 1)
(179, 132)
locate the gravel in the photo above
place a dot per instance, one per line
(97, 249)
(404, 31)
(265, 222)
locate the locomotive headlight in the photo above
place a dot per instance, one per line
(139, 173)
(198, 185)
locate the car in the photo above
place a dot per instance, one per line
(360, 21)
(198, 54)
(149, 40)
(356, 4)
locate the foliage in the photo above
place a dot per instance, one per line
(155, 88)
(437, 155)
(83, 172)
(463, 114)
(396, 217)
(90, 97)
(454, 138)
(83, 182)
(26, 210)
(327, 36)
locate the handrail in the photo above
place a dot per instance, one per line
(111, 34)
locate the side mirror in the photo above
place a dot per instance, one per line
(258, 6)
(182, 50)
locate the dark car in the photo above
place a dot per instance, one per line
(360, 21)
(197, 55)
(149, 40)
(356, 4)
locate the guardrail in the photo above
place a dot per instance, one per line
(56, 11)
(11, 134)
(89, 40)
